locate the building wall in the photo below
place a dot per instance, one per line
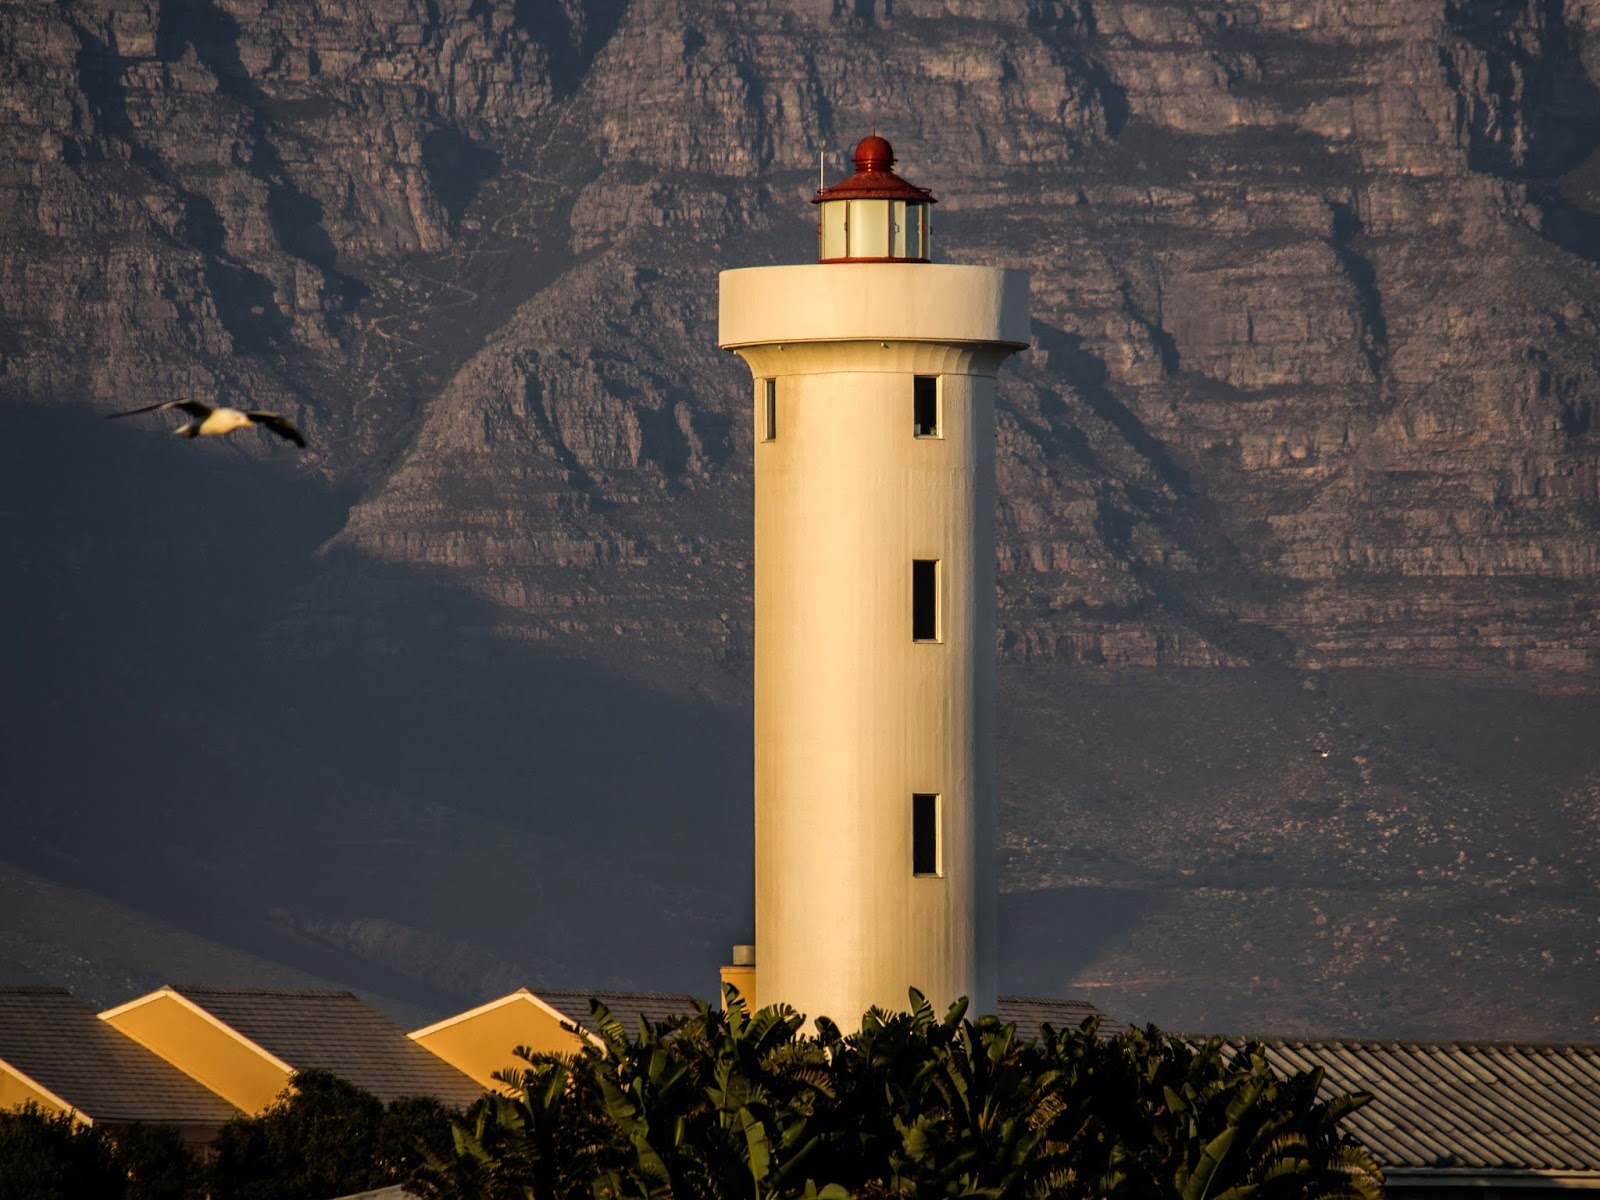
(202, 1048)
(480, 1042)
(851, 715)
(15, 1093)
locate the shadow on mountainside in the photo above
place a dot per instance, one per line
(1267, 851)
(435, 817)
(1051, 936)
(408, 818)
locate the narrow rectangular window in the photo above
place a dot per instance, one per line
(769, 409)
(925, 600)
(925, 404)
(925, 833)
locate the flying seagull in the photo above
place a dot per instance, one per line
(214, 420)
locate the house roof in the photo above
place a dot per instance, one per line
(334, 1030)
(626, 1007)
(1463, 1106)
(55, 1040)
(1031, 1013)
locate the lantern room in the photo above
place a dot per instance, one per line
(874, 216)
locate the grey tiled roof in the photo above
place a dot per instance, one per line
(56, 1040)
(1031, 1013)
(626, 1007)
(337, 1032)
(1464, 1105)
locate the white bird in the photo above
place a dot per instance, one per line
(211, 420)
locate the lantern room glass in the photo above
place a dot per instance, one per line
(872, 229)
(834, 244)
(869, 229)
(914, 226)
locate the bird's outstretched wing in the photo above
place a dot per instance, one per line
(279, 425)
(194, 408)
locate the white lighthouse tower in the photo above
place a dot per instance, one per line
(874, 603)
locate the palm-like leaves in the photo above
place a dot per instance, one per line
(718, 1106)
(542, 1139)
(739, 1106)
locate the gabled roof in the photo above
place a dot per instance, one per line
(1466, 1107)
(1031, 1013)
(481, 1041)
(334, 1030)
(626, 1007)
(56, 1042)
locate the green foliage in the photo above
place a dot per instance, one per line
(325, 1137)
(155, 1164)
(51, 1156)
(722, 1108)
(1198, 1123)
(545, 1140)
(739, 1106)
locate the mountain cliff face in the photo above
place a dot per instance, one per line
(1311, 404)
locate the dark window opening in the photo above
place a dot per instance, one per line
(925, 404)
(925, 600)
(924, 833)
(769, 409)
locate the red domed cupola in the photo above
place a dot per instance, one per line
(873, 154)
(874, 216)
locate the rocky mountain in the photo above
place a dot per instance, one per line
(1298, 524)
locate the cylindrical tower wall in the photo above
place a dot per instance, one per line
(856, 716)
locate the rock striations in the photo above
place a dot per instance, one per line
(1317, 313)
(1314, 370)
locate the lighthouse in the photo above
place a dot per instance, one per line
(873, 402)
